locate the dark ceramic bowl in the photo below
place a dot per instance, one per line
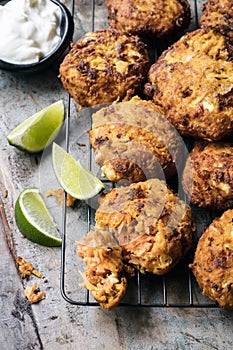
(66, 33)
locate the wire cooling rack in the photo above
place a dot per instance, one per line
(177, 288)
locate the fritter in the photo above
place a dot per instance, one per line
(217, 12)
(208, 175)
(134, 141)
(148, 17)
(104, 276)
(151, 224)
(213, 261)
(193, 82)
(104, 66)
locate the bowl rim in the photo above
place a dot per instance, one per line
(67, 26)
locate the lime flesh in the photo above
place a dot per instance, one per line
(39, 130)
(34, 220)
(74, 178)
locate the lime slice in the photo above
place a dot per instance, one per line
(34, 220)
(74, 178)
(39, 130)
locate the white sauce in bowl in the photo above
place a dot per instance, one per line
(29, 30)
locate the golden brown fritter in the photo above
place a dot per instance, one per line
(213, 261)
(104, 66)
(217, 12)
(133, 140)
(193, 82)
(104, 276)
(208, 175)
(153, 227)
(148, 17)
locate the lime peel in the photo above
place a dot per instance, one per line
(34, 219)
(74, 178)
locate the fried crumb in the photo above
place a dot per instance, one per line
(33, 294)
(26, 268)
(5, 194)
(59, 194)
(81, 144)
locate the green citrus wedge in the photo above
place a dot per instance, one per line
(34, 220)
(73, 177)
(39, 130)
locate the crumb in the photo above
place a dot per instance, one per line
(53, 317)
(33, 294)
(5, 194)
(81, 144)
(27, 268)
(59, 194)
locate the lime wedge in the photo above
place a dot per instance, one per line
(39, 130)
(34, 220)
(74, 178)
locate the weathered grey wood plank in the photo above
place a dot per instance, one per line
(18, 326)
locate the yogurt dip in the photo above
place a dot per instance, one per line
(29, 30)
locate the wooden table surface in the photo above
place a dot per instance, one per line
(53, 323)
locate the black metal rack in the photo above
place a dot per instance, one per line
(176, 289)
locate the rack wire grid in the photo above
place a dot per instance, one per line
(178, 288)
